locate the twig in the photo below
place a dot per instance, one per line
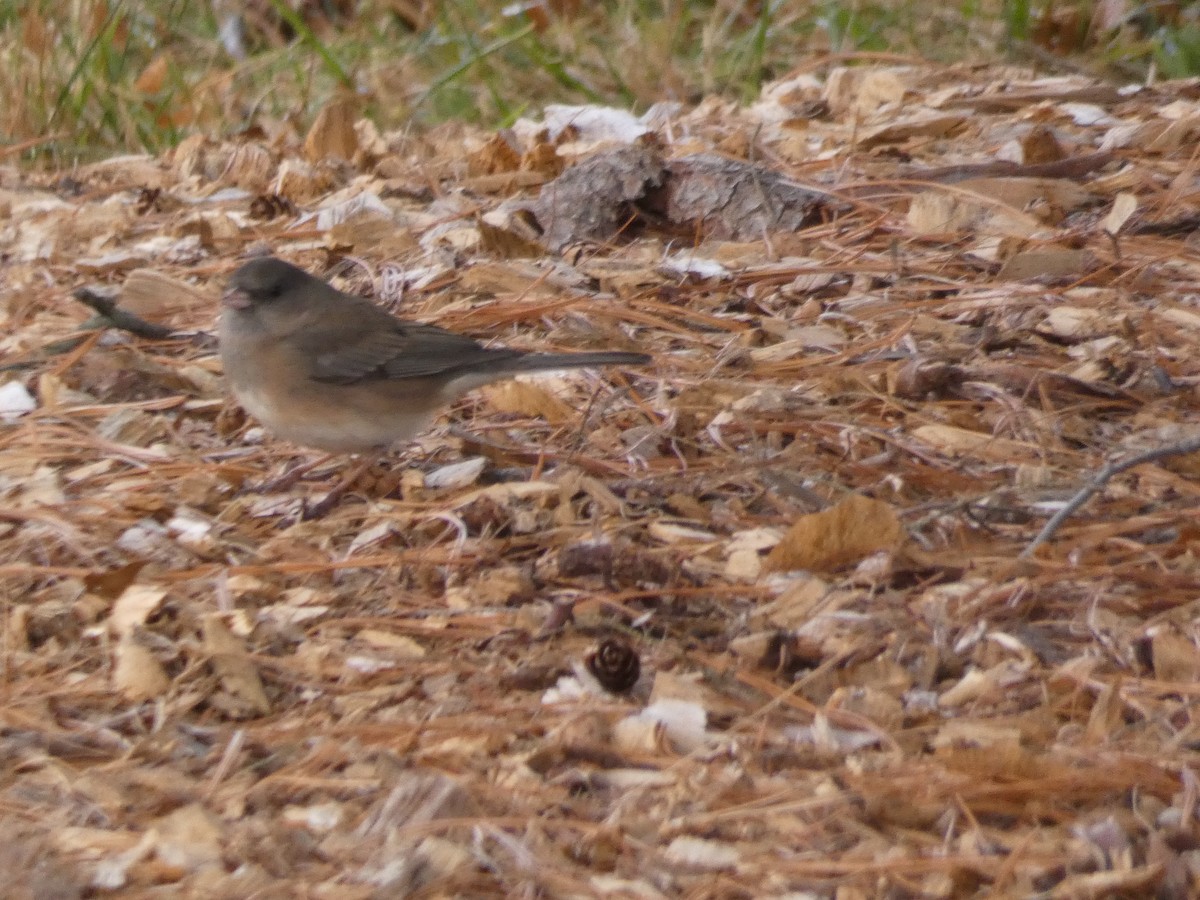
(108, 315)
(115, 317)
(1099, 480)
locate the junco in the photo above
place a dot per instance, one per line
(333, 371)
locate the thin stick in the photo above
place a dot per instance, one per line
(1099, 480)
(116, 317)
(108, 315)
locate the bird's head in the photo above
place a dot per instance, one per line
(264, 281)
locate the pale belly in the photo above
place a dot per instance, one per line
(327, 419)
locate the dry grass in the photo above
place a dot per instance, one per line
(89, 78)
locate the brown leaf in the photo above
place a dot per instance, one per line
(153, 77)
(1175, 657)
(238, 674)
(500, 153)
(954, 441)
(158, 298)
(137, 673)
(110, 583)
(1041, 145)
(837, 537)
(134, 607)
(332, 134)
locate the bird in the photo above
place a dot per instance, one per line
(335, 372)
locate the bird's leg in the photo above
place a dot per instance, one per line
(330, 500)
(293, 475)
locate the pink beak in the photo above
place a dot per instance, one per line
(235, 298)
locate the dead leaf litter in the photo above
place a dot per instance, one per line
(751, 622)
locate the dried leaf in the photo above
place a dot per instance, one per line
(159, 298)
(153, 77)
(134, 607)
(136, 672)
(332, 133)
(963, 442)
(239, 676)
(1175, 657)
(837, 537)
(1124, 206)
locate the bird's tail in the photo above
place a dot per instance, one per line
(531, 362)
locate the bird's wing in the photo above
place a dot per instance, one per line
(390, 349)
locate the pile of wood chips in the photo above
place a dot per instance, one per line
(755, 621)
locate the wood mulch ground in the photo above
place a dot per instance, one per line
(754, 621)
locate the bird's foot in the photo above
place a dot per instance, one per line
(326, 504)
(323, 507)
(289, 479)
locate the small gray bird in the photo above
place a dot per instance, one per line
(329, 370)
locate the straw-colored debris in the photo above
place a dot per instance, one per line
(750, 622)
